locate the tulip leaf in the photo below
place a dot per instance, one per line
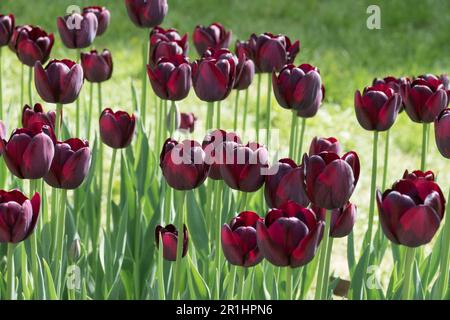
(419, 293)
(50, 285)
(196, 224)
(357, 283)
(351, 253)
(197, 284)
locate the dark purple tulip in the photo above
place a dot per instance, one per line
(6, 28)
(117, 128)
(59, 82)
(169, 236)
(342, 220)
(377, 108)
(187, 121)
(239, 240)
(103, 17)
(285, 182)
(29, 152)
(412, 210)
(183, 164)
(37, 115)
(289, 235)
(146, 13)
(166, 43)
(442, 132)
(171, 77)
(33, 44)
(213, 76)
(270, 52)
(18, 215)
(329, 179)
(319, 145)
(299, 88)
(390, 81)
(70, 164)
(78, 31)
(244, 167)
(15, 35)
(246, 71)
(214, 36)
(424, 98)
(213, 145)
(97, 67)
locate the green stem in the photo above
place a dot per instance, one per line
(288, 283)
(1, 84)
(409, 264)
(233, 282)
(302, 135)
(327, 269)
(217, 210)
(30, 82)
(173, 118)
(268, 107)
(161, 286)
(180, 228)
(109, 197)
(323, 255)
(241, 271)
(162, 128)
(209, 116)
(144, 78)
(11, 290)
(91, 106)
(218, 115)
(100, 152)
(58, 121)
(444, 263)
(34, 251)
(22, 86)
(292, 135)
(244, 120)
(386, 160)
(423, 159)
(60, 239)
(373, 185)
(258, 106)
(236, 103)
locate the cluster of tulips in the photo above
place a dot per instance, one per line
(307, 195)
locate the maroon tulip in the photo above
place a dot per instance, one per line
(239, 240)
(18, 215)
(169, 236)
(246, 71)
(187, 121)
(70, 164)
(424, 98)
(285, 182)
(214, 75)
(270, 52)
(59, 82)
(319, 145)
(78, 31)
(147, 13)
(37, 115)
(166, 43)
(33, 44)
(103, 17)
(442, 132)
(15, 35)
(183, 164)
(299, 88)
(97, 67)
(29, 152)
(117, 128)
(171, 77)
(412, 210)
(329, 179)
(342, 220)
(214, 36)
(289, 235)
(7, 24)
(244, 167)
(377, 108)
(390, 81)
(213, 145)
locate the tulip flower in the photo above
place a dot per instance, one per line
(166, 43)
(31, 116)
(244, 167)
(33, 44)
(171, 78)
(103, 17)
(246, 71)
(319, 145)
(169, 235)
(390, 81)
(239, 240)
(187, 121)
(442, 133)
(213, 76)
(342, 219)
(15, 35)
(214, 36)
(183, 164)
(29, 152)
(18, 215)
(117, 128)
(289, 235)
(78, 31)
(60, 81)
(213, 145)
(7, 24)
(70, 164)
(377, 107)
(285, 182)
(330, 180)
(97, 67)
(412, 210)
(146, 13)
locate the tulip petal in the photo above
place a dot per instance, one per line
(75, 169)
(269, 249)
(307, 248)
(37, 157)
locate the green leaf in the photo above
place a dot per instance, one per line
(357, 284)
(351, 253)
(198, 287)
(196, 224)
(51, 291)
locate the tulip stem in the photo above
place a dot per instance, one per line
(244, 120)
(292, 135)
(327, 269)
(60, 238)
(302, 135)
(33, 241)
(11, 290)
(268, 106)
(409, 264)
(288, 283)
(232, 282)
(209, 116)
(161, 286)
(162, 127)
(173, 118)
(236, 103)
(218, 115)
(30, 81)
(77, 116)
(91, 106)
(109, 197)
(258, 105)
(444, 263)
(100, 150)
(180, 241)
(218, 213)
(1, 85)
(22, 87)
(241, 271)
(423, 159)
(144, 79)
(58, 121)
(323, 254)
(386, 160)
(373, 185)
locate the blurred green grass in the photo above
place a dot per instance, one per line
(413, 40)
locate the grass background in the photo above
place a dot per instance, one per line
(414, 39)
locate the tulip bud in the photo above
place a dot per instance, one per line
(117, 128)
(33, 44)
(165, 43)
(97, 67)
(239, 240)
(37, 115)
(214, 36)
(103, 17)
(78, 31)
(245, 71)
(18, 215)
(412, 210)
(146, 13)
(319, 145)
(169, 236)
(342, 219)
(290, 235)
(187, 121)
(442, 133)
(6, 28)
(75, 250)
